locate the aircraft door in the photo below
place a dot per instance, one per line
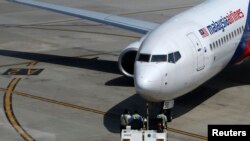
(199, 51)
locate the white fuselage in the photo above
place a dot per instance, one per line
(179, 55)
(203, 55)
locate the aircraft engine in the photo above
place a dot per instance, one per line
(127, 59)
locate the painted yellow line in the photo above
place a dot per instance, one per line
(9, 65)
(98, 112)
(69, 105)
(59, 103)
(32, 64)
(187, 134)
(9, 111)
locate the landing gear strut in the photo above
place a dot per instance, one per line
(169, 115)
(168, 106)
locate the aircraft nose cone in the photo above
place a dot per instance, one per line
(148, 82)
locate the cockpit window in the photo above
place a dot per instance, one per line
(174, 57)
(171, 58)
(144, 57)
(177, 56)
(159, 58)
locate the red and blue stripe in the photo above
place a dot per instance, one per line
(243, 49)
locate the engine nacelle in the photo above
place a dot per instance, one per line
(127, 59)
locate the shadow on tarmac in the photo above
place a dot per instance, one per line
(232, 76)
(237, 75)
(121, 81)
(91, 64)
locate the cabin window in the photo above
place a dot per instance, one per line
(174, 57)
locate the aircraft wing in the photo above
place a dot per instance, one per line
(138, 26)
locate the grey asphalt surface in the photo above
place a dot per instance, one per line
(80, 93)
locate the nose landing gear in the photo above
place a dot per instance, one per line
(169, 115)
(168, 106)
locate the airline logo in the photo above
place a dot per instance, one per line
(222, 23)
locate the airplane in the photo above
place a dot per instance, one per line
(177, 56)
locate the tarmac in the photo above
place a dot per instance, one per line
(60, 80)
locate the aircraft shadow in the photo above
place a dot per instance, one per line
(91, 64)
(233, 76)
(236, 75)
(121, 81)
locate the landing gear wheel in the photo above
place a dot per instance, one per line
(169, 115)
